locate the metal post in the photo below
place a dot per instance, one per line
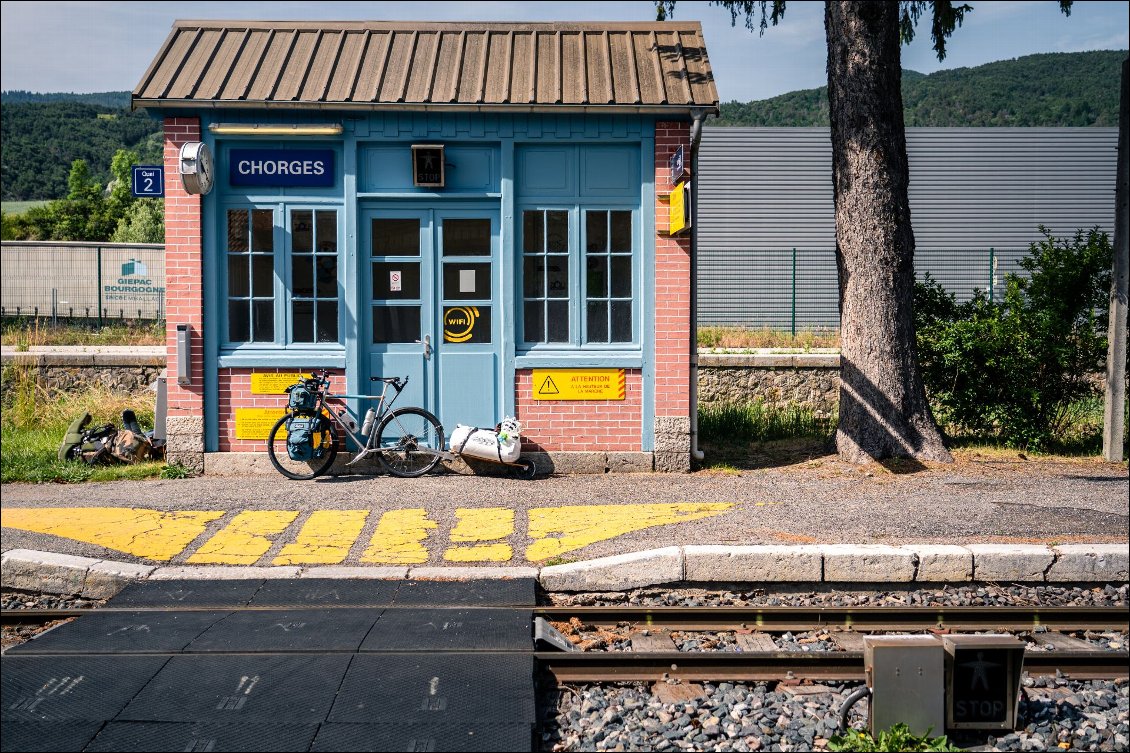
(793, 307)
(98, 258)
(992, 274)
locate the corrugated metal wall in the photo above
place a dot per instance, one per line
(766, 191)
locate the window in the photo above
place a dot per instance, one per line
(590, 306)
(261, 308)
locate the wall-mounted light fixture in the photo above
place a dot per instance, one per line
(275, 129)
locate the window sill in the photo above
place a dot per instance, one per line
(284, 357)
(580, 359)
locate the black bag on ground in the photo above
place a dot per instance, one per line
(71, 448)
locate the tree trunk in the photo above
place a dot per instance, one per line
(883, 407)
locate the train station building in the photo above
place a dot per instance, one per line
(482, 208)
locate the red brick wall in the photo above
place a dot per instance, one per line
(184, 271)
(235, 392)
(580, 425)
(672, 284)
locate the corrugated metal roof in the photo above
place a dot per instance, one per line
(657, 66)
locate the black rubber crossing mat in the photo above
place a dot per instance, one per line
(452, 630)
(32, 737)
(456, 738)
(187, 593)
(317, 592)
(240, 688)
(122, 633)
(518, 592)
(288, 630)
(449, 688)
(175, 737)
(49, 688)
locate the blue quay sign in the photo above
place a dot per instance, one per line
(148, 181)
(312, 168)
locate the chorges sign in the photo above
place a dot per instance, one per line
(281, 167)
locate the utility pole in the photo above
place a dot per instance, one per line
(1114, 405)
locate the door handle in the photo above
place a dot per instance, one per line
(427, 343)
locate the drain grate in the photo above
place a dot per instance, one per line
(451, 630)
(145, 737)
(424, 738)
(240, 688)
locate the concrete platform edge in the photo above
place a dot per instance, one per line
(863, 564)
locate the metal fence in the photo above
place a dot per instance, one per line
(798, 290)
(64, 280)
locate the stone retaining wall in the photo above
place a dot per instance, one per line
(124, 374)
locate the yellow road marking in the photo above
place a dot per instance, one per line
(245, 539)
(143, 533)
(481, 524)
(325, 538)
(399, 538)
(557, 530)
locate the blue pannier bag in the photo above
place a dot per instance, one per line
(300, 431)
(302, 400)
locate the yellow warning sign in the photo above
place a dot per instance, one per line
(579, 384)
(273, 384)
(680, 216)
(256, 423)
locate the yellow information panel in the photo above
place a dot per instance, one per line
(273, 384)
(680, 211)
(578, 384)
(256, 423)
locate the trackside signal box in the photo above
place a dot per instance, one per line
(906, 677)
(983, 680)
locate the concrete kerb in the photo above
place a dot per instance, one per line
(840, 563)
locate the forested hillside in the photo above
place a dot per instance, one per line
(1055, 89)
(40, 140)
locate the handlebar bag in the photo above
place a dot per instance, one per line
(302, 399)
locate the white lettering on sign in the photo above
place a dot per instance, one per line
(394, 281)
(281, 167)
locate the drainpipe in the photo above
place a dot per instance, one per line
(699, 114)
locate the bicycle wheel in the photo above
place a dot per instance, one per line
(410, 440)
(302, 470)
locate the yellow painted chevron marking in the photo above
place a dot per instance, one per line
(481, 524)
(557, 530)
(399, 538)
(245, 539)
(325, 538)
(151, 534)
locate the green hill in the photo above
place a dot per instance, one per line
(117, 100)
(40, 139)
(1056, 89)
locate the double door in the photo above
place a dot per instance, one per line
(433, 316)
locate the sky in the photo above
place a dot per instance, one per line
(106, 46)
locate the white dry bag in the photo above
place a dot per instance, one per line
(503, 446)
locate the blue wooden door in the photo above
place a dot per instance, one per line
(433, 313)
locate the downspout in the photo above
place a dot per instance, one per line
(699, 114)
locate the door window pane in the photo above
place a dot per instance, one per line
(262, 321)
(557, 321)
(597, 280)
(238, 238)
(545, 275)
(466, 281)
(466, 324)
(239, 284)
(302, 232)
(251, 275)
(466, 237)
(303, 321)
(596, 231)
(396, 237)
(327, 276)
(533, 321)
(239, 323)
(263, 231)
(597, 321)
(533, 232)
(621, 322)
(621, 277)
(621, 232)
(302, 284)
(327, 321)
(557, 276)
(396, 324)
(396, 280)
(326, 232)
(557, 232)
(262, 276)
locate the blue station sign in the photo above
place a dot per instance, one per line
(148, 181)
(312, 168)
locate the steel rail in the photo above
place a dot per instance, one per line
(860, 619)
(719, 666)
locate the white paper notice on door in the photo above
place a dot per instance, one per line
(394, 281)
(466, 281)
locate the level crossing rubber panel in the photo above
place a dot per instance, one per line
(518, 592)
(240, 688)
(53, 688)
(175, 737)
(32, 737)
(220, 594)
(122, 633)
(425, 738)
(316, 592)
(446, 688)
(276, 631)
(452, 630)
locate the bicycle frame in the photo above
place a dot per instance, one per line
(384, 405)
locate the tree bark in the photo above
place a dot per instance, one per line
(1114, 403)
(883, 407)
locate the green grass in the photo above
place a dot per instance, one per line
(741, 338)
(757, 422)
(19, 207)
(25, 332)
(33, 422)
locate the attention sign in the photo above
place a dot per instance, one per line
(578, 384)
(273, 384)
(256, 423)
